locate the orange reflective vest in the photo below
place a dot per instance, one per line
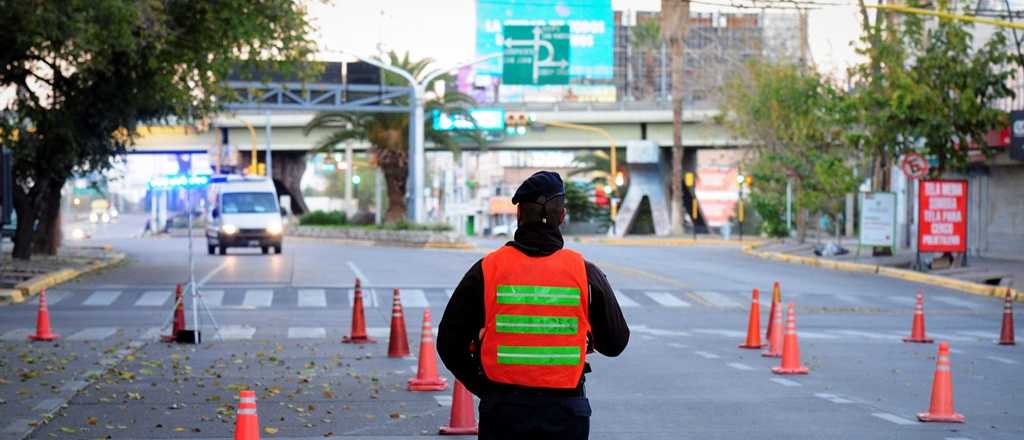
(535, 318)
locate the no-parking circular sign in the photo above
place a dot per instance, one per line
(914, 165)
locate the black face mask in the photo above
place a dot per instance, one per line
(543, 202)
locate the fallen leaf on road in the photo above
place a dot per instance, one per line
(270, 430)
(91, 421)
(179, 429)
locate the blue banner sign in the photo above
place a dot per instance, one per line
(487, 119)
(179, 181)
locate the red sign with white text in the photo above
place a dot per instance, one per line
(942, 210)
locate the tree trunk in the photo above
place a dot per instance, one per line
(24, 206)
(288, 170)
(47, 237)
(801, 225)
(648, 74)
(395, 166)
(675, 16)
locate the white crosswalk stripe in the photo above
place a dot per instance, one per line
(832, 398)
(414, 299)
(231, 332)
(785, 382)
(706, 355)
(625, 301)
(306, 333)
(18, 334)
(258, 298)
(868, 335)
(312, 298)
(955, 302)
(740, 366)
(1002, 360)
(979, 334)
(894, 419)
(369, 298)
(153, 298)
(717, 299)
(101, 298)
(666, 299)
(212, 298)
(52, 297)
(93, 334)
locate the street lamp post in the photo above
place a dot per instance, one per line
(417, 152)
(740, 179)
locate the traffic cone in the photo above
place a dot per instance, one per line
(179, 316)
(1006, 335)
(247, 424)
(917, 333)
(790, 347)
(426, 375)
(754, 323)
(398, 343)
(463, 419)
(775, 340)
(43, 332)
(776, 300)
(941, 408)
(358, 320)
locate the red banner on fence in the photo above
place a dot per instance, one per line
(942, 210)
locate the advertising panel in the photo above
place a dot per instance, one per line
(591, 32)
(878, 219)
(717, 193)
(942, 210)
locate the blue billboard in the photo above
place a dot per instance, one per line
(591, 28)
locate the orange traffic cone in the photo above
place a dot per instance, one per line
(775, 340)
(426, 376)
(917, 333)
(179, 316)
(776, 300)
(43, 332)
(247, 424)
(1006, 335)
(398, 343)
(358, 320)
(941, 408)
(790, 347)
(463, 419)
(754, 323)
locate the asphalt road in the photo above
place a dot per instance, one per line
(280, 319)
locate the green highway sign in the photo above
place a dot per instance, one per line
(535, 55)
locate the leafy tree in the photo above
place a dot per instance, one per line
(646, 40)
(577, 202)
(83, 74)
(793, 118)
(927, 89)
(388, 133)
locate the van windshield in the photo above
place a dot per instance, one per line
(248, 202)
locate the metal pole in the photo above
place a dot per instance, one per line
(410, 193)
(378, 198)
(192, 268)
(662, 76)
(420, 153)
(789, 207)
(270, 157)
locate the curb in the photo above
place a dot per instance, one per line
(891, 272)
(31, 287)
(660, 242)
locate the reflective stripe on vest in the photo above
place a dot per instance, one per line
(539, 295)
(546, 325)
(513, 355)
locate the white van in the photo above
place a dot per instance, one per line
(244, 212)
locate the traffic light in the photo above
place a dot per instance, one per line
(516, 123)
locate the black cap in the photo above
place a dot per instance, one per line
(539, 188)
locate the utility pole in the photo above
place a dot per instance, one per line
(675, 21)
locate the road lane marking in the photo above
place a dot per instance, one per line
(102, 298)
(950, 337)
(706, 355)
(20, 427)
(625, 301)
(832, 398)
(979, 334)
(212, 298)
(869, 335)
(51, 297)
(958, 438)
(414, 299)
(93, 334)
(740, 366)
(850, 299)
(312, 298)
(369, 298)
(1002, 359)
(804, 334)
(676, 345)
(666, 299)
(657, 332)
(956, 302)
(720, 332)
(717, 299)
(258, 298)
(893, 418)
(202, 281)
(904, 300)
(18, 334)
(785, 382)
(307, 333)
(153, 298)
(48, 405)
(443, 400)
(358, 273)
(236, 332)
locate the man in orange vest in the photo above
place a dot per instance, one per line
(518, 328)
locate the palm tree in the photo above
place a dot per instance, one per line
(388, 133)
(646, 40)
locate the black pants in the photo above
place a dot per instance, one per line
(518, 417)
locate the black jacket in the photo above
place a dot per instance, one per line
(464, 316)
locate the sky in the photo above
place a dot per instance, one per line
(445, 29)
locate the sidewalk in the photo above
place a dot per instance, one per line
(21, 279)
(982, 275)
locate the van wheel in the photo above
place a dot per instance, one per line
(277, 249)
(265, 250)
(223, 250)
(210, 249)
